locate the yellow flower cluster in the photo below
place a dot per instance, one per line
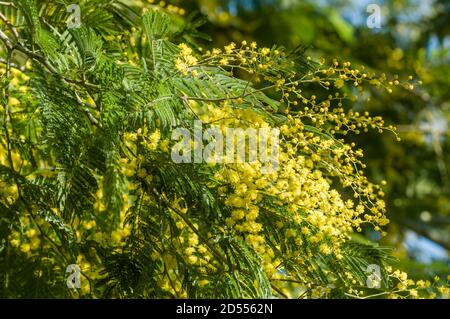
(268, 65)
(8, 192)
(158, 5)
(28, 242)
(185, 60)
(312, 159)
(141, 142)
(194, 253)
(302, 199)
(307, 160)
(246, 57)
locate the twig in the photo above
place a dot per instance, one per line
(8, 4)
(86, 107)
(279, 291)
(190, 225)
(7, 115)
(13, 65)
(6, 121)
(374, 295)
(9, 25)
(43, 60)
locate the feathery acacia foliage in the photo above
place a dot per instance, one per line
(87, 177)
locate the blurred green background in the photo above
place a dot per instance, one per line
(413, 40)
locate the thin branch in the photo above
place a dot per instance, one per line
(7, 115)
(188, 222)
(279, 291)
(13, 65)
(43, 60)
(9, 25)
(374, 295)
(7, 4)
(6, 120)
(6, 40)
(86, 107)
(289, 280)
